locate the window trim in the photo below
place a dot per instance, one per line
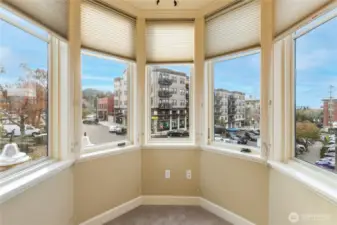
(131, 90)
(190, 141)
(53, 65)
(209, 102)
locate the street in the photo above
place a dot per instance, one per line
(99, 134)
(313, 154)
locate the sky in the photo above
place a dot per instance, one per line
(316, 64)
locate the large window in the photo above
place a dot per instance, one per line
(169, 115)
(105, 94)
(23, 92)
(236, 101)
(316, 95)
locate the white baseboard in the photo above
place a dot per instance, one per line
(167, 200)
(114, 213)
(224, 213)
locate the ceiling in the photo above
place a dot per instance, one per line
(168, 4)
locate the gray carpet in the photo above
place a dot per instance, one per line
(168, 215)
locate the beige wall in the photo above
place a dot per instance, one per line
(104, 183)
(154, 164)
(48, 203)
(288, 195)
(237, 185)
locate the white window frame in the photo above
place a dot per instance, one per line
(289, 67)
(132, 90)
(190, 141)
(54, 94)
(209, 102)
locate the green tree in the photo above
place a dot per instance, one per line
(307, 131)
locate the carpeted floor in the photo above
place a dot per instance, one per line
(168, 215)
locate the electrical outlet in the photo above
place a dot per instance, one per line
(167, 174)
(188, 174)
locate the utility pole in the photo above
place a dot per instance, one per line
(331, 107)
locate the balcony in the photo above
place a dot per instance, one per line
(165, 106)
(165, 94)
(165, 81)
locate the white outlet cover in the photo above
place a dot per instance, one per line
(188, 174)
(167, 174)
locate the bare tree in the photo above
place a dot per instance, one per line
(218, 112)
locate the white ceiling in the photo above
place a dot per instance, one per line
(168, 4)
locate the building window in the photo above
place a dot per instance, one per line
(174, 78)
(316, 95)
(229, 100)
(24, 84)
(162, 126)
(100, 88)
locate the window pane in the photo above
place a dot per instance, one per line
(169, 101)
(236, 101)
(23, 97)
(104, 103)
(316, 99)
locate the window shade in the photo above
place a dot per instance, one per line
(51, 13)
(234, 30)
(170, 41)
(290, 12)
(106, 30)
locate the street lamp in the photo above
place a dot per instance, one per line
(253, 122)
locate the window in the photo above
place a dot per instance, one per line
(98, 85)
(174, 78)
(24, 84)
(182, 81)
(235, 81)
(163, 125)
(316, 94)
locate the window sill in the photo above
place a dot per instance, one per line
(30, 178)
(106, 152)
(323, 183)
(224, 150)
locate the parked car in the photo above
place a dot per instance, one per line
(178, 133)
(29, 130)
(121, 130)
(239, 140)
(90, 120)
(330, 154)
(251, 136)
(113, 128)
(324, 161)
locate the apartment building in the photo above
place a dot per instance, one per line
(252, 112)
(169, 94)
(121, 98)
(329, 112)
(229, 108)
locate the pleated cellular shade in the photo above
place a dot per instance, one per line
(108, 31)
(233, 30)
(290, 12)
(52, 14)
(170, 41)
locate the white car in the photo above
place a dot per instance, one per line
(29, 130)
(113, 128)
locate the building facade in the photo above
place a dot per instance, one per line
(252, 112)
(329, 112)
(121, 98)
(105, 107)
(169, 99)
(229, 108)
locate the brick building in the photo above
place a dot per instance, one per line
(105, 107)
(329, 111)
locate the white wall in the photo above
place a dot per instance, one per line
(287, 195)
(48, 203)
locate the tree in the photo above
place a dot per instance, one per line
(307, 131)
(231, 110)
(26, 99)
